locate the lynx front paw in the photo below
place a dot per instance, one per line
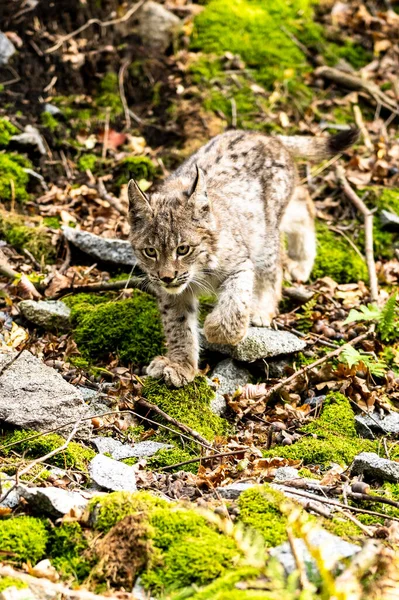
(262, 319)
(174, 374)
(225, 329)
(298, 270)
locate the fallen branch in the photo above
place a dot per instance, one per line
(104, 286)
(7, 271)
(121, 77)
(278, 386)
(154, 408)
(201, 459)
(114, 202)
(351, 82)
(90, 22)
(46, 587)
(368, 230)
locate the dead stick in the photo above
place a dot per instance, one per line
(202, 459)
(114, 202)
(164, 415)
(43, 585)
(368, 230)
(132, 282)
(300, 563)
(305, 369)
(122, 94)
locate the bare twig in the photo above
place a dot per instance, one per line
(106, 133)
(300, 563)
(123, 284)
(90, 22)
(114, 202)
(122, 94)
(154, 408)
(278, 386)
(8, 364)
(44, 586)
(363, 129)
(7, 271)
(368, 230)
(67, 259)
(202, 459)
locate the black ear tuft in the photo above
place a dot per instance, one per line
(343, 140)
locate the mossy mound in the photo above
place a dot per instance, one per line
(336, 258)
(13, 178)
(330, 438)
(88, 162)
(108, 95)
(23, 233)
(129, 328)
(166, 458)
(225, 587)
(189, 405)
(67, 546)
(260, 510)
(75, 456)
(7, 130)
(23, 539)
(139, 167)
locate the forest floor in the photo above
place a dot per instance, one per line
(269, 478)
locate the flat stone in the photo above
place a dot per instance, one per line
(120, 451)
(369, 463)
(368, 425)
(332, 547)
(7, 49)
(35, 396)
(260, 342)
(234, 490)
(49, 314)
(105, 249)
(156, 26)
(52, 109)
(230, 376)
(389, 220)
(31, 136)
(52, 501)
(111, 474)
(285, 474)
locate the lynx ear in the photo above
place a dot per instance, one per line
(138, 201)
(199, 196)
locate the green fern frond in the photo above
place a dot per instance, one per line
(352, 357)
(371, 312)
(387, 322)
(305, 321)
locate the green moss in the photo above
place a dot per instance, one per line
(7, 130)
(52, 222)
(260, 510)
(223, 587)
(164, 458)
(189, 405)
(139, 167)
(108, 94)
(336, 258)
(7, 582)
(129, 328)
(12, 170)
(343, 528)
(75, 456)
(192, 552)
(66, 547)
(27, 234)
(49, 121)
(350, 51)
(331, 437)
(385, 241)
(87, 162)
(108, 510)
(23, 539)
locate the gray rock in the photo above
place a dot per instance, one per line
(389, 220)
(7, 49)
(260, 342)
(156, 26)
(120, 451)
(369, 463)
(35, 396)
(49, 314)
(111, 474)
(230, 376)
(52, 501)
(105, 249)
(14, 593)
(285, 474)
(6, 483)
(51, 109)
(234, 490)
(31, 137)
(337, 550)
(368, 425)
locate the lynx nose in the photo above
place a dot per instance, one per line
(166, 278)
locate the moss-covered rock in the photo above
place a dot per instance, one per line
(23, 539)
(336, 258)
(7, 582)
(128, 328)
(330, 438)
(7, 130)
(189, 405)
(74, 456)
(260, 510)
(26, 233)
(139, 167)
(67, 546)
(13, 178)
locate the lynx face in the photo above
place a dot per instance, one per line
(172, 236)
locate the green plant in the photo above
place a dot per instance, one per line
(353, 357)
(385, 317)
(305, 320)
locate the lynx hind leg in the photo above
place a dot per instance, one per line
(298, 225)
(267, 296)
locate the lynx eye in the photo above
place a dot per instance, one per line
(183, 250)
(150, 252)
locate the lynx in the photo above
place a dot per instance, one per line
(215, 224)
